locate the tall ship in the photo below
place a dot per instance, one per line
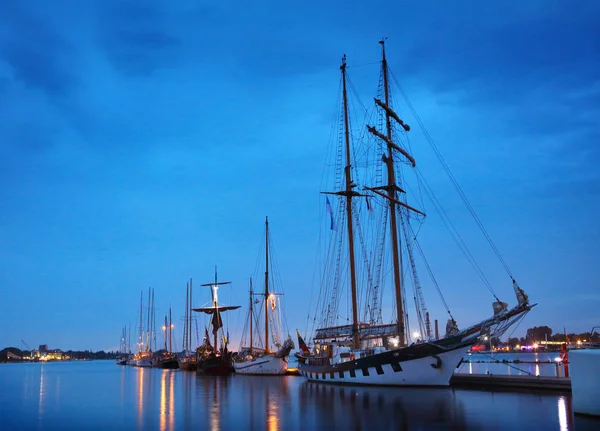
(372, 249)
(187, 358)
(215, 358)
(266, 356)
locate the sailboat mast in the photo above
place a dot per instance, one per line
(153, 321)
(141, 321)
(215, 302)
(349, 193)
(165, 331)
(251, 314)
(170, 331)
(391, 189)
(184, 345)
(267, 285)
(190, 316)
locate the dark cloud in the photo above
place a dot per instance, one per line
(37, 53)
(137, 36)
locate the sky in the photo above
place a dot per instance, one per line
(143, 142)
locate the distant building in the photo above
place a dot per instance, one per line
(11, 355)
(55, 355)
(43, 348)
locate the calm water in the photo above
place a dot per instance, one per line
(101, 395)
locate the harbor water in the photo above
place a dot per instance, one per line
(101, 395)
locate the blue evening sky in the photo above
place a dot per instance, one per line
(143, 141)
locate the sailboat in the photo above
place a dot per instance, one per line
(167, 359)
(256, 359)
(143, 358)
(212, 359)
(366, 350)
(123, 355)
(187, 359)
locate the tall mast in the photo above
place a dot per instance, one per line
(349, 193)
(267, 285)
(141, 321)
(170, 331)
(148, 319)
(165, 331)
(216, 305)
(391, 189)
(251, 314)
(153, 329)
(190, 316)
(185, 345)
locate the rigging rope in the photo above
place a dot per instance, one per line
(453, 179)
(433, 280)
(454, 232)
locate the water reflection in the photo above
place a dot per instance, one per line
(140, 405)
(41, 401)
(384, 408)
(266, 403)
(167, 415)
(212, 394)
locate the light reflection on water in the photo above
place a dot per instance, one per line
(101, 395)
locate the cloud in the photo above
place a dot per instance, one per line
(35, 51)
(138, 37)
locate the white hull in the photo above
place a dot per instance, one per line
(417, 372)
(265, 365)
(145, 362)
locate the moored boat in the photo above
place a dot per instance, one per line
(187, 358)
(257, 359)
(212, 359)
(369, 351)
(166, 358)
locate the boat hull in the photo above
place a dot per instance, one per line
(218, 365)
(422, 365)
(187, 365)
(263, 365)
(145, 362)
(170, 363)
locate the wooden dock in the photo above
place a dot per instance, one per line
(498, 381)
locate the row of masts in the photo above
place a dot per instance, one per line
(391, 189)
(147, 336)
(187, 329)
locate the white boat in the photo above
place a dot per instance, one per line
(145, 361)
(144, 356)
(354, 344)
(256, 358)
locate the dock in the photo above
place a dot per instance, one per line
(498, 381)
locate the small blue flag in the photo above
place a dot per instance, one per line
(330, 211)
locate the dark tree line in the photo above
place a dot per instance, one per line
(543, 333)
